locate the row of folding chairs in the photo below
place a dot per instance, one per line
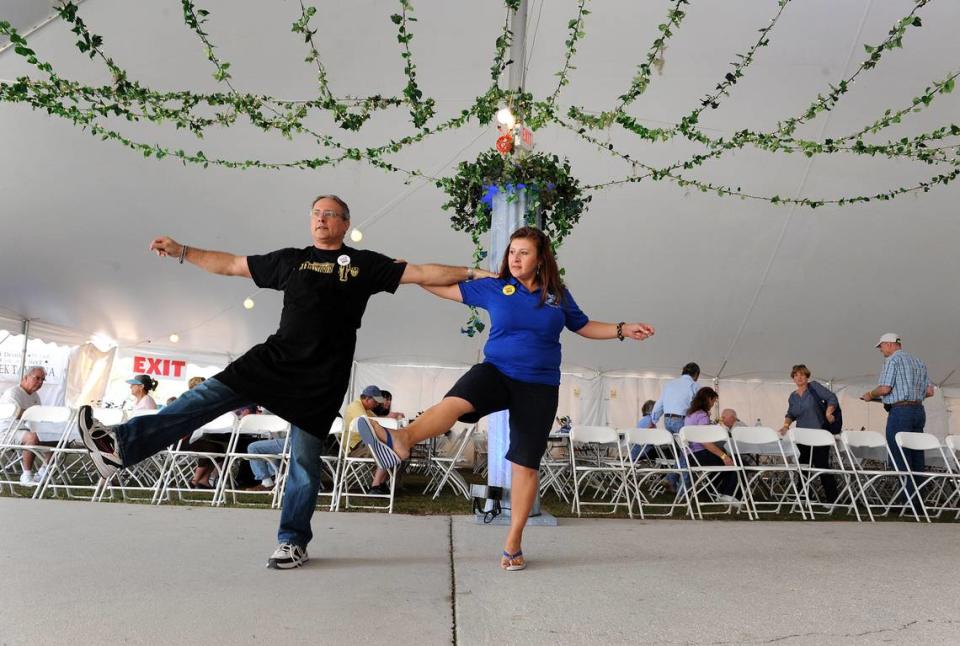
(158, 478)
(630, 469)
(167, 475)
(352, 475)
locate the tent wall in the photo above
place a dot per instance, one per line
(615, 398)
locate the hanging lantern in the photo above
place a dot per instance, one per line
(505, 144)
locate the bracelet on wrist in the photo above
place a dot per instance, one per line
(620, 330)
(183, 253)
(470, 274)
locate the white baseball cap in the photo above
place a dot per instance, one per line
(889, 337)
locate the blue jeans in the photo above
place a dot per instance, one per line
(144, 436)
(303, 484)
(263, 469)
(674, 424)
(906, 419)
(141, 437)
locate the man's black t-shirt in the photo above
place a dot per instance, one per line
(302, 371)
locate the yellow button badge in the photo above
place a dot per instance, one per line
(508, 290)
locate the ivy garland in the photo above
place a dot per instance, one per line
(553, 194)
(88, 107)
(91, 107)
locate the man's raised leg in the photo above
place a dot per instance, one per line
(116, 447)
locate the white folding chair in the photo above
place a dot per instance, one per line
(8, 419)
(12, 450)
(935, 488)
(702, 476)
(869, 459)
(179, 467)
(443, 468)
(770, 486)
(811, 476)
(9, 458)
(554, 472)
(356, 472)
(334, 463)
(594, 469)
(655, 459)
(267, 427)
(952, 443)
(71, 468)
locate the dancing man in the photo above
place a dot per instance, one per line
(326, 287)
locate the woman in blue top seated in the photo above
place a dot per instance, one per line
(528, 307)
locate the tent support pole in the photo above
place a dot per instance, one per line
(26, 340)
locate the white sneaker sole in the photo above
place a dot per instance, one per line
(106, 469)
(277, 565)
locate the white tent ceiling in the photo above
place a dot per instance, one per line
(757, 286)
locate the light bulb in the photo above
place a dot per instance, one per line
(174, 338)
(102, 341)
(248, 303)
(356, 235)
(506, 119)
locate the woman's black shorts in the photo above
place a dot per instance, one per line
(532, 409)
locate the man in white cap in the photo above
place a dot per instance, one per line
(903, 385)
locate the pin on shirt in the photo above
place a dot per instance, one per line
(509, 290)
(344, 262)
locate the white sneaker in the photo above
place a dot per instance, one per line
(728, 499)
(40, 475)
(101, 441)
(287, 556)
(26, 478)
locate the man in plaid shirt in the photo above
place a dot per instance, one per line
(903, 385)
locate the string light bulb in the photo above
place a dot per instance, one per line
(506, 119)
(102, 341)
(248, 303)
(356, 235)
(174, 338)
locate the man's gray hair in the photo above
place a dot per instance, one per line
(30, 369)
(335, 198)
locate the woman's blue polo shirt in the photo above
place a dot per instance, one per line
(524, 342)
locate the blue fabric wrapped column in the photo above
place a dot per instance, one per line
(509, 205)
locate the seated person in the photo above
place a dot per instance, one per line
(709, 454)
(370, 398)
(383, 410)
(646, 421)
(23, 396)
(140, 388)
(729, 419)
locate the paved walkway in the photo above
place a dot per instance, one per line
(134, 574)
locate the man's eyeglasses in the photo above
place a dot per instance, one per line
(326, 213)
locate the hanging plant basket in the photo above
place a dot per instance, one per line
(552, 192)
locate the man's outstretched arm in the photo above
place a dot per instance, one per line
(440, 275)
(216, 262)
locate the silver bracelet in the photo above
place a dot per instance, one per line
(183, 253)
(470, 274)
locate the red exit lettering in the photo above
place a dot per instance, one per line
(159, 367)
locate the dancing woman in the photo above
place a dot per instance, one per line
(528, 307)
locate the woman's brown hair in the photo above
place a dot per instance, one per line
(703, 400)
(548, 274)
